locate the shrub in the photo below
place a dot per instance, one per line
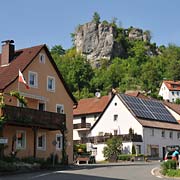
(7, 167)
(168, 165)
(133, 149)
(125, 157)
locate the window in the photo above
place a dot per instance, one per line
(33, 79)
(173, 93)
(42, 58)
(83, 120)
(152, 132)
(50, 83)
(42, 107)
(20, 140)
(170, 134)
(178, 135)
(115, 132)
(41, 141)
(138, 149)
(177, 93)
(163, 133)
(59, 141)
(60, 108)
(115, 117)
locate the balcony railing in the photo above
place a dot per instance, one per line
(103, 139)
(31, 117)
(82, 126)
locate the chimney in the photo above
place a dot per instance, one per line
(7, 52)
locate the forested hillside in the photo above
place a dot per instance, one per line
(143, 67)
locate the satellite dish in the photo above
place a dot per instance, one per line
(98, 94)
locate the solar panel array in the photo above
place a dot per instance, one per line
(148, 109)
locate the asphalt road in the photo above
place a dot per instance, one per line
(120, 171)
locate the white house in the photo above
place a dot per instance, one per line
(170, 90)
(148, 118)
(86, 114)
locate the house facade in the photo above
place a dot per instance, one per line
(149, 119)
(170, 90)
(86, 114)
(43, 127)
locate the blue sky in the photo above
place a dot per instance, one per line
(34, 22)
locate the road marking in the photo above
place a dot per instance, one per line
(153, 172)
(41, 175)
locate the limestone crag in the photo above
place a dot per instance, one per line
(98, 41)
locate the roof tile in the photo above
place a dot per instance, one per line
(91, 105)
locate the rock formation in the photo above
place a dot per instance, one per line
(98, 41)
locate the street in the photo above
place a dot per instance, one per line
(114, 171)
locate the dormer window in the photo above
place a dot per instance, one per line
(42, 58)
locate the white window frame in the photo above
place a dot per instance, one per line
(17, 145)
(35, 79)
(59, 145)
(42, 58)
(62, 108)
(44, 146)
(53, 85)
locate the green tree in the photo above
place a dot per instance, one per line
(133, 149)
(96, 17)
(113, 148)
(57, 49)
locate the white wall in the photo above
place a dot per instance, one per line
(167, 95)
(157, 139)
(175, 115)
(90, 118)
(125, 120)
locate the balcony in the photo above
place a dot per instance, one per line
(82, 126)
(26, 117)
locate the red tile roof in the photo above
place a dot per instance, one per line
(158, 124)
(172, 85)
(137, 94)
(91, 105)
(23, 58)
(173, 106)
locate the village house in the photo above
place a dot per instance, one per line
(153, 126)
(170, 90)
(45, 126)
(86, 114)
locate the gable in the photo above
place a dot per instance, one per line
(125, 120)
(22, 60)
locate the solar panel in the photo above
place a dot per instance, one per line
(147, 109)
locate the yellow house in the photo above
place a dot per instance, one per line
(45, 126)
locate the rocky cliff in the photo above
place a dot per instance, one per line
(98, 41)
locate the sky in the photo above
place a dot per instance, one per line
(51, 22)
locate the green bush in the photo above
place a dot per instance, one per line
(173, 173)
(125, 157)
(168, 165)
(32, 160)
(7, 167)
